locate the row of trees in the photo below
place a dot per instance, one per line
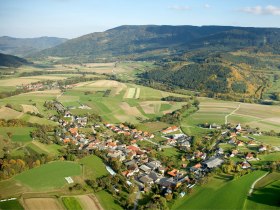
(11, 166)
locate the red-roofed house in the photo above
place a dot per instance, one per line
(170, 129)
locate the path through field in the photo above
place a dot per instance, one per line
(255, 182)
(226, 117)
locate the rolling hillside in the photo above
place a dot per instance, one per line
(11, 61)
(24, 46)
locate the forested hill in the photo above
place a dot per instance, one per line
(24, 46)
(11, 61)
(153, 42)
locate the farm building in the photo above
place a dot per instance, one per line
(213, 162)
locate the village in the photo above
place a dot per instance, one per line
(120, 142)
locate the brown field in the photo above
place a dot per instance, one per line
(11, 187)
(17, 81)
(29, 108)
(42, 204)
(151, 107)
(118, 87)
(130, 111)
(7, 113)
(89, 202)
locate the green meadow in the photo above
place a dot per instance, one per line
(18, 134)
(266, 194)
(93, 167)
(49, 176)
(71, 203)
(219, 193)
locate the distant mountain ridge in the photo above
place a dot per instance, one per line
(25, 46)
(153, 41)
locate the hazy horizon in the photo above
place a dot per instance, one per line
(72, 18)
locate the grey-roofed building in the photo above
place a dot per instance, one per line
(167, 182)
(146, 180)
(156, 177)
(145, 168)
(213, 162)
(154, 164)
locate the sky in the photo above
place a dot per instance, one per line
(73, 18)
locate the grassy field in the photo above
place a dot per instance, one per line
(255, 115)
(19, 134)
(107, 200)
(221, 190)
(93, 167)
(28, 100)
(49, 176)
(11, 205)
(40, 148)
(266, 193)
(71, 203)
(152, 126)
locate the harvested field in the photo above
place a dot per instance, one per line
(42, 204)
(89, 202)
(17, 81)
(131, 111)
(99, 64)
(29, 108)
(43, 93)
(46, 77)
(109, 84)
(7, 113)
(130, 93)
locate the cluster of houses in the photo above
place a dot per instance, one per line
(134, 133)
(138, 166)
(144, 170)
(182, 141)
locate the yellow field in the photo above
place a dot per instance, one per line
(130, 111)
(17, 81)
(89, 202)
(43, 93)
(7, 113)
(46, 77)
(130, 93)
(29, 108)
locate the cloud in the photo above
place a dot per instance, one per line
(206, 6)
(179, 8)
(259, 10)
